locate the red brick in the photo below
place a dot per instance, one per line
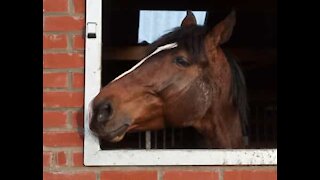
(47, 159)
(77, 80)
(190, 175)
(63, 60)
(78, 42)
(63, 23)
(77, 119)
(69, 176)
(250, 175)
(128, 175)
(55, 5)
(61, 158)
(55, 80)
(58, 41)
(77, 159)
(62, 99)
(53, 119)
(79, 6)
(62, 139)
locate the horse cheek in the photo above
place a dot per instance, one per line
(191, 106)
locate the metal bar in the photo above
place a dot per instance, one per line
(164, 139)
(274, 127)
(257, 127)
(265, 121)
(181, 136)
(155, 139)
(172, 137)
(140, 142)
(148, 140)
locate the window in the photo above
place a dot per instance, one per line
(104, 61)
(164, 21)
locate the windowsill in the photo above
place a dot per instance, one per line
(94, 156)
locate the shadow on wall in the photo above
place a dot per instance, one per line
(78, 122)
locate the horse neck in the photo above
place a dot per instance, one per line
(221, 125)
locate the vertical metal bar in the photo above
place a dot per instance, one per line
(172, 137)
(148, 140)
(263, 118)
(265, 124)
(181, 136)
(257, 127)
(140, 144)
(274, 126)
(155, 139)
(164, 139)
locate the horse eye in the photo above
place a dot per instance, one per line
(181, 61)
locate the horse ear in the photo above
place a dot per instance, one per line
(189, 20)
(221, 33)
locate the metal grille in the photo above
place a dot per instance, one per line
(262, 125)
(169, 138)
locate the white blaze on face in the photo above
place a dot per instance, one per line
(161, 48)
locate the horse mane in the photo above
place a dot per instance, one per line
(238, 90)
(191, 38)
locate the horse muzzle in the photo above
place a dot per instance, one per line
(104, 124)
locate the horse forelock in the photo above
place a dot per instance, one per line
(189, 38)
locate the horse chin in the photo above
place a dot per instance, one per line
(116, 135)
(118, 138)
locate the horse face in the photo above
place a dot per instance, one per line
(169, 87)
(160, 91)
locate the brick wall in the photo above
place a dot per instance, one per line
(63, 88)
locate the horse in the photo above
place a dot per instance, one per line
(187, 80)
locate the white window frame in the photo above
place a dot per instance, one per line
(94, 156)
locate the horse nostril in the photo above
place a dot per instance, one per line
(104, 113)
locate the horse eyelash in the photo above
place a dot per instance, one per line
(188, 63)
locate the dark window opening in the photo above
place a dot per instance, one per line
(253, 42)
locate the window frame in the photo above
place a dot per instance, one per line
(94, 156)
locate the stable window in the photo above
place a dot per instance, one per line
(116, 38)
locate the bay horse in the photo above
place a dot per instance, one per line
(187, 80)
